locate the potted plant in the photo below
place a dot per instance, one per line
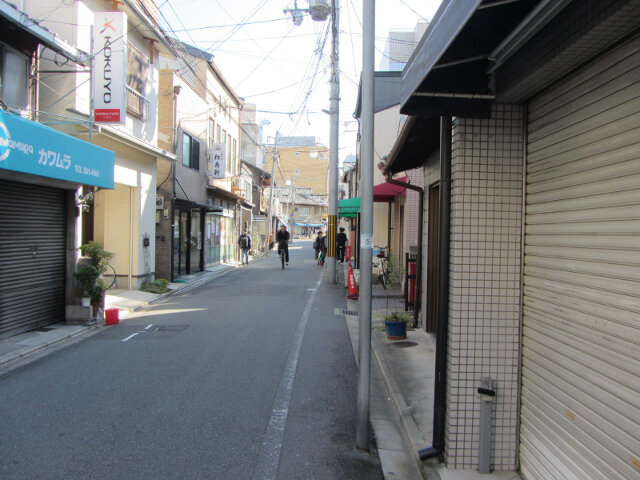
(395, 325)
(89, 271)
(87, 277)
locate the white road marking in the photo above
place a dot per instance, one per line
(149, 326)
(269, 456)
(130, 336)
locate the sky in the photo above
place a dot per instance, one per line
(284, 68)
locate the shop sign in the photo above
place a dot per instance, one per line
(217, 163)
(30, 147)
(109, 67)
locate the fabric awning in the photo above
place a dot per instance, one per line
(349, 207)
(302, 224)
(387, 192)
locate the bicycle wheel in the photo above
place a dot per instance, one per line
(109, 278)
(383, 280)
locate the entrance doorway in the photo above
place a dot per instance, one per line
(187, 242)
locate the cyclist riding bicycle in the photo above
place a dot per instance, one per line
(283, 238)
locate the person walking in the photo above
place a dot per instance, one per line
(322, 248)
(316, 245)
(245, 245)
(341, 242)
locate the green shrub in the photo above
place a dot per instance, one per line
(158, 286)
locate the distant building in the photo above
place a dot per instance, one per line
(400, 45)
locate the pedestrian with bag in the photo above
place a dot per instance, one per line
(244, 241)
(341, 242)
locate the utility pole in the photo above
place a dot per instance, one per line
(274, 159)
(334, 110)
(366, 223)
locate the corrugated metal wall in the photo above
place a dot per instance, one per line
(581, 333)
(32, 257)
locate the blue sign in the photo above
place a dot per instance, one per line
(31, 147)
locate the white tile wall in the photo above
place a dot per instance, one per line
(484, 301)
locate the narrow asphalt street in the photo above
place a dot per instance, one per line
(249, 376)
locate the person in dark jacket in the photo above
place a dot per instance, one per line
(282, 239)
(316, 245)
(244, 241)
(320, 246)
(341, 242)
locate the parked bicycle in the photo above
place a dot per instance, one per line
(109, 277)
(383, 270)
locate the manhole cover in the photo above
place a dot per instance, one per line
(404, 344)
(171, 328)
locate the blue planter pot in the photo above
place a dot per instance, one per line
(396, 330)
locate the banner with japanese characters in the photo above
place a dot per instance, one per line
(30, 147)
(109, 67)
(217, 161)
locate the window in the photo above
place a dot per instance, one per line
(233, 163)
(303, 211)
(296, 154)
(218, 134)
(13, 78)
(137, 75)
(190, 151)
(211, 133)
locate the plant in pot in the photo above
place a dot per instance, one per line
(395, 325)
(89, 270)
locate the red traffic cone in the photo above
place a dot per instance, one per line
(353, 288)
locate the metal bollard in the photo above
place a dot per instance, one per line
(487, 394)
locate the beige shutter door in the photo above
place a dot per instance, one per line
(581, 333)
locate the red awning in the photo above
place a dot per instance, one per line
(387, 192)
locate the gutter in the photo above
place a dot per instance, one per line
(442, 322)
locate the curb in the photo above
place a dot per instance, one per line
(410, 430)
(26, 351)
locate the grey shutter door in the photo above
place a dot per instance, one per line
(32, 257)
(581, 332)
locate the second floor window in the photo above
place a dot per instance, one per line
(138, 69)
(190, 152)
(13, 78)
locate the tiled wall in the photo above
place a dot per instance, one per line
(484, 295)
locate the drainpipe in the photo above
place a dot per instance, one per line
(416, 296)
(442, 322)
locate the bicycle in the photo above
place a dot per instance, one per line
(283, 252)
(383, 268)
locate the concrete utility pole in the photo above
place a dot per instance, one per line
(274, 159)
(334, 110)
(366, 222)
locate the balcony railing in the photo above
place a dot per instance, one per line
(137, 105)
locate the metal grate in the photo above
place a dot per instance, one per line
(343, 311)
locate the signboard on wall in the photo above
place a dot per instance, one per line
(30, 147)
(217, 161)
(109, 67)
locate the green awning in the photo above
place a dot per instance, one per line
(349, 207)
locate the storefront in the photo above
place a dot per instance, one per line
(40, 172)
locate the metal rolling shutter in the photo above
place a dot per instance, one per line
(32, 257)
(581, 333)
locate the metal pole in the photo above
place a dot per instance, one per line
(366, 219)
(274, 158)
(334, 98)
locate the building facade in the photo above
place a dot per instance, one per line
(201, 197)
(530, 160)
(43, 175)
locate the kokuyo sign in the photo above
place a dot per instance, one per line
(109, 72)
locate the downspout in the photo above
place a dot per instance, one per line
(416, 296)
(442, 322)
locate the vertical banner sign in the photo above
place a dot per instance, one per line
(217, 162)
(109, 71)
